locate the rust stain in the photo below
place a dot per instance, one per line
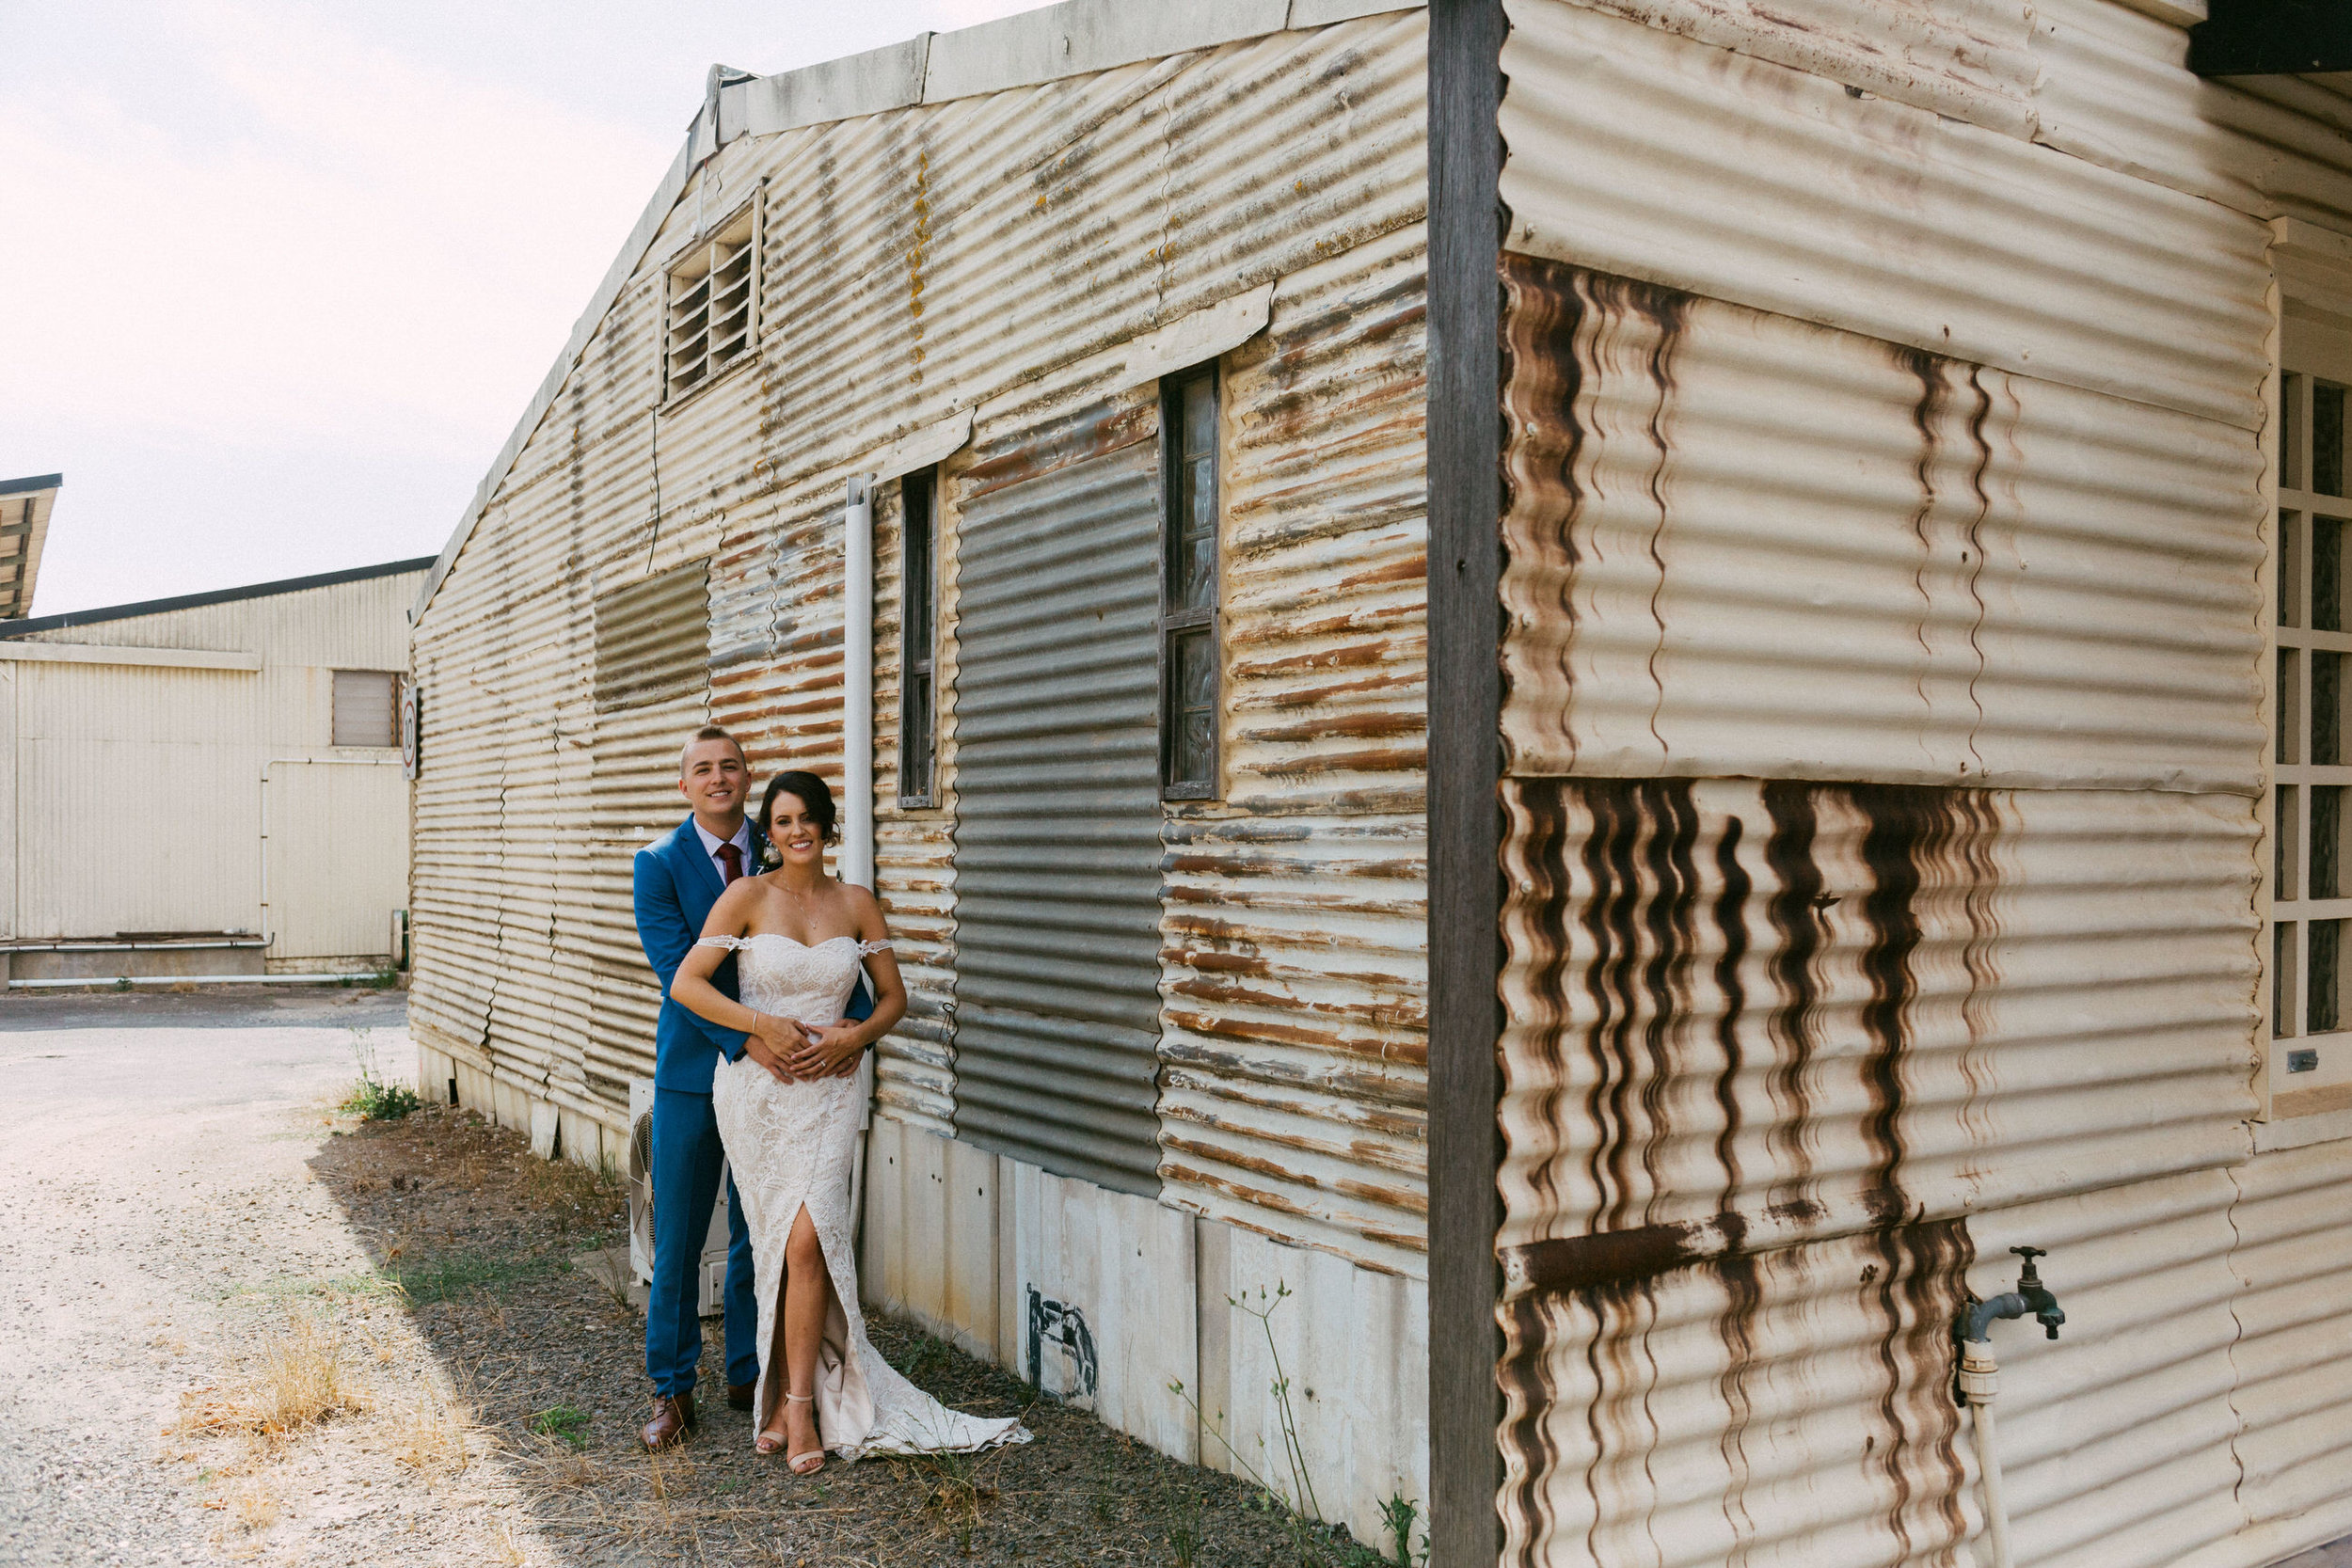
(1611, 880)
(1543, 379)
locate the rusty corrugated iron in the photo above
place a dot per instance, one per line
(1294, 1037)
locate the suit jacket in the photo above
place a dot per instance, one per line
(675, 884)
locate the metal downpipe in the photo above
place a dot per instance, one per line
(857, 760)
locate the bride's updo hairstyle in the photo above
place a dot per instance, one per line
(813, 793)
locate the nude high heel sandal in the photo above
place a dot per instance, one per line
(813, 1460)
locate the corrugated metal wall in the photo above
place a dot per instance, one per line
(1862, 455)
(1057, 831)
(994, 253)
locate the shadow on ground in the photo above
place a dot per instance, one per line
(477, 1236)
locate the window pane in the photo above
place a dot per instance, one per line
(1192, 706)
(2283, 987)
(2326, 438)
(2286, 838)
(2291, 473)
(919, 609)
(2327, 841)
(2287, 722)
(2326, 575)
(2327, 708)
(1196, 572)
(1201, 417)
(915, 762)
(2291, 569)
(2320, 1012)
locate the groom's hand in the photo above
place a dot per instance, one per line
(763, 1050)
(832, 1051)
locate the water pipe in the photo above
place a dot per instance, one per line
(1981, 1383)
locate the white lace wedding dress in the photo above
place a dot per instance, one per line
(791, 1147)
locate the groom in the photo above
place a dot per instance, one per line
(678, 877)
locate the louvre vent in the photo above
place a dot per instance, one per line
(713, 295)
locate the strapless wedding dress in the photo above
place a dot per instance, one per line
(791, 1147)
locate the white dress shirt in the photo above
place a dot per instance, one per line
(742, 840)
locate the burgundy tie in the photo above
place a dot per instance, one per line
(732, 859)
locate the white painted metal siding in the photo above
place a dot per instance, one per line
(338, 856)
(1883, 457)
(138, 801)
(1940, 571)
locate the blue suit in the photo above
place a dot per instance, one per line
(676, 885)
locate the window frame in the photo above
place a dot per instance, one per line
(2296, 644)
(1172, 621)
(922, 482)
(753, 211)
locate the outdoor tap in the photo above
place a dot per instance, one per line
(2029, 1296)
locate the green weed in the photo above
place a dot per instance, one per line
(565, 1422)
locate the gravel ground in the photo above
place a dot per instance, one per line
(190, 1228)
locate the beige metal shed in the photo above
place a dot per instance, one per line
(207, 788)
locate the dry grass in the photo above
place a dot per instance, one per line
(255, 1505)
(428, 1434)
(505, 1548)
(298, 1379)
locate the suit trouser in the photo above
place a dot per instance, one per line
(687, 1155)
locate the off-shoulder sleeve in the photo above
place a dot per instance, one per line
(868, 949)
(730, 943)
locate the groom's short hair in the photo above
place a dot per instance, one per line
(708, 731)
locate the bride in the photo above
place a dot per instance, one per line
(788, 1111)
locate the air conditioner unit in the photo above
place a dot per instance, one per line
(712, 1275)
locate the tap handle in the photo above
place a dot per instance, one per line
(2030, 1253)
(2028, 1278)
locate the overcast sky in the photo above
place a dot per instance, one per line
(280, 276)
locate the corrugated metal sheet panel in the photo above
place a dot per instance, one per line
(2115, 89)
(179, 742)
(1648, 155)
(2294, 1356)
(1291, 1100)
(1057, 833)
(1748, 1013)
(1951, 573)
(651, 692)
(338, 857)
(1792, 1408)
(1964, 59)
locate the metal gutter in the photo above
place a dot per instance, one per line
(1466, 227)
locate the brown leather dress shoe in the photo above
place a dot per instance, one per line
(673, 1418)
(740, 1395)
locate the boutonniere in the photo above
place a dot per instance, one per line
(770, 856)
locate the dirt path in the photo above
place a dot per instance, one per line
(196, 1249)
